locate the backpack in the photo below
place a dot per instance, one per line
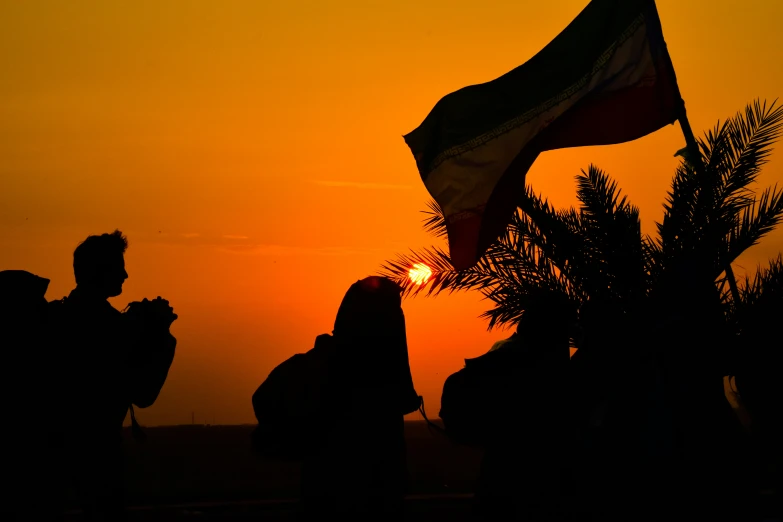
(30, 386)
(287, 405)
(23, 327)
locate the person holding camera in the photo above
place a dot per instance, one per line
(108, 362)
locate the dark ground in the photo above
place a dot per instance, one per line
(216, 463)
(211, 473)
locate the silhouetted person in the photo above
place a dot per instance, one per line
(110, 361)
(353, 388)
(617, 426)
(512, 402)
(31, 489)
(691, 342)
(758, 365)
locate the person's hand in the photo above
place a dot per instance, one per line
(162, 311)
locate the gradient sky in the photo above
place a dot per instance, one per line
(252, 151)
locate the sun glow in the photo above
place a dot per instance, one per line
(420, 273)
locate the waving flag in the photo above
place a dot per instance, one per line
(607, 78)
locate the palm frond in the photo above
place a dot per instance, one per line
(766, 282)
(522, 259)
(558, 234)
(511, 302)
(679, 210)
(612, 238)
(599, 194)
(748, 143)
(726, 297)
(735, 152)
(522, 269)
(755, 222)
(652, 257)
(712, 207)
(435, 224)
(443, 277)
(761, 303)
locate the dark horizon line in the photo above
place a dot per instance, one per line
(248, 424)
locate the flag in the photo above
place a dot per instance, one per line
(607, 78)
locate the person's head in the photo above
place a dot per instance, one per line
(370, 328)
(99, 264)
(370, 308)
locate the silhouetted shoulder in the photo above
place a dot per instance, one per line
(507, 357)
(289, 400)
(281, 372)
(292, 372)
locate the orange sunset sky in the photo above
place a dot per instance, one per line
(252, 151)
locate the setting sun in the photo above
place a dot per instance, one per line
(420, 273)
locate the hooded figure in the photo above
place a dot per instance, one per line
(342, 405)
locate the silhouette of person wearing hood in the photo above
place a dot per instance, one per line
(358, 468)
(351, 392)
(339, 409)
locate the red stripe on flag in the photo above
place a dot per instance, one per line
(616, 117)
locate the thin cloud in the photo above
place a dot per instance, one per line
(356, 184)
(285, 250)
(188, 238)
(239, 244)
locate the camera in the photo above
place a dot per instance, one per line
(156, 311)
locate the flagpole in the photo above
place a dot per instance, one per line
(692, 154)
(690, 140)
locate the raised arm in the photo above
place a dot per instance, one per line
(152, 350)
(149, 366)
